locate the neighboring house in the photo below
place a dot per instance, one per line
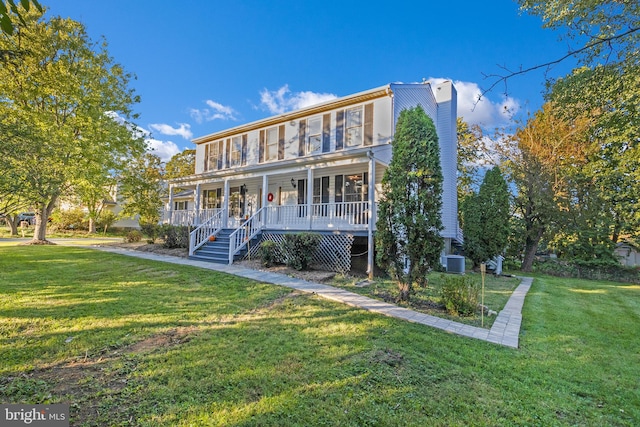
(315, 169)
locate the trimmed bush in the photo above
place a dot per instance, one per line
(133, 236)
(269, 253)
(175, 236)
(459, 294)
(70, 219)
(298, 249)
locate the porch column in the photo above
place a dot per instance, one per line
(196, 206)
(310, 197)
(372, 216)
(225, 209)
(263, 202)
(170, 210)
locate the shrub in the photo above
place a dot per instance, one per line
(175, 236)
(592, 270)
(106, 220)
(298, 249)
(70, 219)
(133, 236)
(269, 253)
(151, 231)
(459, 294)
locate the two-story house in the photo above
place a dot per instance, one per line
(315, 169)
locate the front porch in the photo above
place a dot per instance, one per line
(343, 216)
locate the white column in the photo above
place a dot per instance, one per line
(170, 210)
(225, 213)
(263, 203)
(196, 206)
(372, 215)
(310, 196)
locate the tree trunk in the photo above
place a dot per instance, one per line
(92, 225)
(42, 220)
(404, 291)
(531, 247)
(12, 221)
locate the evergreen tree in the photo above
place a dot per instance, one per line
(408, 240)
(486, 219)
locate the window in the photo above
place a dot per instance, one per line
(320, 195)
(180, 206)
(236, 151)
(214, 156)
(212, 199)
(314, 140)
(356, 187)
(353, 128)
(271, 144)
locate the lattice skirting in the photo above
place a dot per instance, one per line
(333, 253)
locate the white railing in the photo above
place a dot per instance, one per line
(200, 235)
(188, 217)
(323, 216)
(243, 234)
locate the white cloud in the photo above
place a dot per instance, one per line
(216, 111)
(163, 149)
(184, 130)
(485, 113)
(282, 100)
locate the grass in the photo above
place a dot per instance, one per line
(427, 300)
(134, 342)
(27, 233)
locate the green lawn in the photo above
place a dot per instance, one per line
(126, 341)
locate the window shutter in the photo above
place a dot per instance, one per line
(261, 149)
(220, 154)
(227, 154)
(243, 160)
(326, 133)
(340, 130)
(281, 142)
(301, 137)
(368, 124)
(206, 157)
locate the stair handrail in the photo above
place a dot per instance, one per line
(244, 233)
(201, 234)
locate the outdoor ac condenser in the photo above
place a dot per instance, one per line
(455, 264)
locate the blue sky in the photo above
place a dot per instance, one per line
(204, 66)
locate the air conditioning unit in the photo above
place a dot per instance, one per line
(455, 264)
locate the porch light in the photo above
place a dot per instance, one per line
(293, 183)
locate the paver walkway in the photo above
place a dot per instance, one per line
(505, 329)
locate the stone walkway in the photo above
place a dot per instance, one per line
(505, 329)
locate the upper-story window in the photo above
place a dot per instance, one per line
(236, 151)
(213, 156)
(314, 140)
(353, 127)
(271, 152)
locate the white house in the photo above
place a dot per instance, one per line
(315, 169)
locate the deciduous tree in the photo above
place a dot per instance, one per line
(408, 240)
(59, 99)
(181, 164)
(141, 188)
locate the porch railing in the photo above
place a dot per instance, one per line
(200, 235)
(189, 217)
(243, 234)
(322, 216)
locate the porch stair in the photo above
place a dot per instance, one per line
(218, 250)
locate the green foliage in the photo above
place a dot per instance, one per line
(141, 188)
(133, 236)
(174, 236)
(106, 219)
(470, 148)
(181, 165)
(596, 269)
(63, 113)
(8, 21)
(69, 219)
(459, 294)
(298, 249)
(408, 241)
(151, 231)
(486, 219)
(269, 253)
